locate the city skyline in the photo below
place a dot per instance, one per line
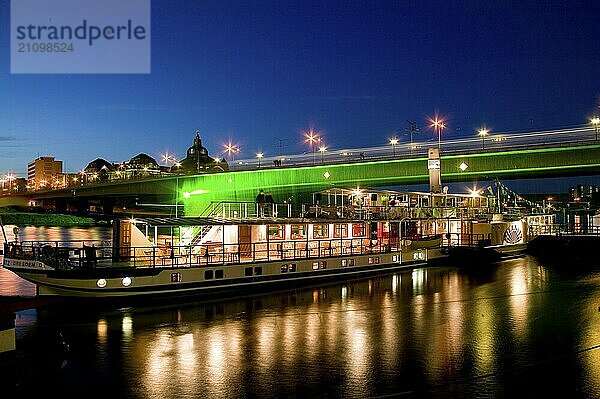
(259, 75)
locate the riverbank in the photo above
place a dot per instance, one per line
(21, 216)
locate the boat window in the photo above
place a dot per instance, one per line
(358, 230)
(175, 277)
(377, 259)
(340, 230)
(315, 266)
(219, 273)
(276, 232)
(248, 271)
(208, 274)
(344, 262)
(298, 231)
(292, 267)
(324, 264)
(258, 270)
(284, 268)
(320, 231)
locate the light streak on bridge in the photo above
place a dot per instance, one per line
(501, 141)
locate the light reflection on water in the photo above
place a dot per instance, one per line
(511, 330)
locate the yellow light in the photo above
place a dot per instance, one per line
(483, 132)
(260, 155)
(595, 120)
(322, 149)
(394, 141)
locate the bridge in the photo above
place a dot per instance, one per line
(555, 153)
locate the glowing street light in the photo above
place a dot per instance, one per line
(482, 133)
(231, 149)
(312, 139)
(322, 150)
(394, 143)
(438, 124)
(168, 158)
(595, 121)
(260, 156)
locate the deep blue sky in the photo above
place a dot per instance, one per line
(261, 71)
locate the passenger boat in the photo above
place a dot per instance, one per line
(344, 233)
(192, 256)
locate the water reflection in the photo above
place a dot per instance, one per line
(508, 331)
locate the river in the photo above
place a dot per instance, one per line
(517, 328)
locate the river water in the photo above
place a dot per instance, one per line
(514, 329)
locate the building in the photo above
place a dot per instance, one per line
(197, 160)
(42, 172)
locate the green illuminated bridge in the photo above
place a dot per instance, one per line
(198, 191)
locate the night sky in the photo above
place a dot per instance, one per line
(262, 72)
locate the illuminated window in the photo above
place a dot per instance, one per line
(175, 277)
(340, 230)
(292, 267)
(284, 268)
(344, 262)
(315, 266)
(320, 231)
(298, 231)
(276, 232)
(358, 229)
(324, 265)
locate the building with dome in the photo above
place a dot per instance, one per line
(197, 160)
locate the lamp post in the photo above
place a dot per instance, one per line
(394, 143)
(595, 121)
(312, 138)
(438, 125)
(260, 156)
(231, 149)
(322, 150)
(482, 133)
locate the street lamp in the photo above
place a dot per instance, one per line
(322, 150)
(231, 149)
(260, 156)
(595, 121)
(438, 124)
(482, 133)
(394, 143)
(312, 138)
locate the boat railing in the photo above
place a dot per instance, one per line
(562, 228)
(82, 255)
(242, 210)
(466, 240)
